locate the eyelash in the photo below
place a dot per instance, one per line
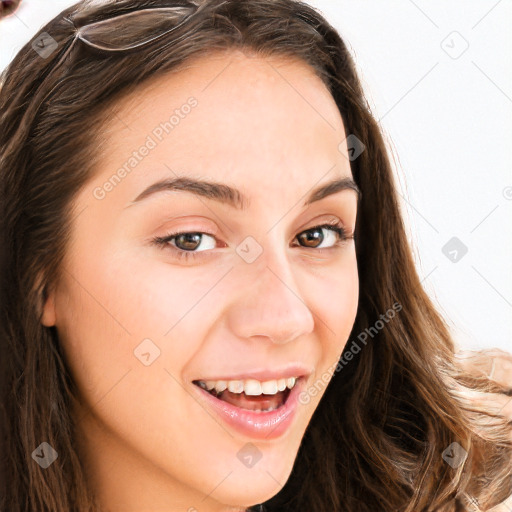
(163, 241)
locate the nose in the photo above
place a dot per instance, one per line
(271, 305)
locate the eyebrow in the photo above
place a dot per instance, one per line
(232, 196)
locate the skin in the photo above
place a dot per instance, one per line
(269, 127)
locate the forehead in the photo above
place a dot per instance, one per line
(239, 75)
(263, 119)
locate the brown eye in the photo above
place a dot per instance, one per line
(314, 237)
(188, 241)
(311, 238)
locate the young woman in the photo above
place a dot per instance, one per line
(209, 300)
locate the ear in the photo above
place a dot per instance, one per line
(48, 317)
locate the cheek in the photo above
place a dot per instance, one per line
(117, 308)
(335, 298)
(336, 305)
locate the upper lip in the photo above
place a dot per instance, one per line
(264, 374)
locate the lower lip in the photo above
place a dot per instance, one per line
(257, 425)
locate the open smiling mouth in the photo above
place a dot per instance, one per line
(257, 409)
(251, 394)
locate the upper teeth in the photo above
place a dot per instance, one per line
(249, 386)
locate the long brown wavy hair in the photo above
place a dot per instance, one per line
(377, 439)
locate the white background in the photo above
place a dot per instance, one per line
(446, 113)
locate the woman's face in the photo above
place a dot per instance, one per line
(255, 291)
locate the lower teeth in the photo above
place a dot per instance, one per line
(264, 410)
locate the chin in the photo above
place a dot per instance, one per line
(251, 487)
